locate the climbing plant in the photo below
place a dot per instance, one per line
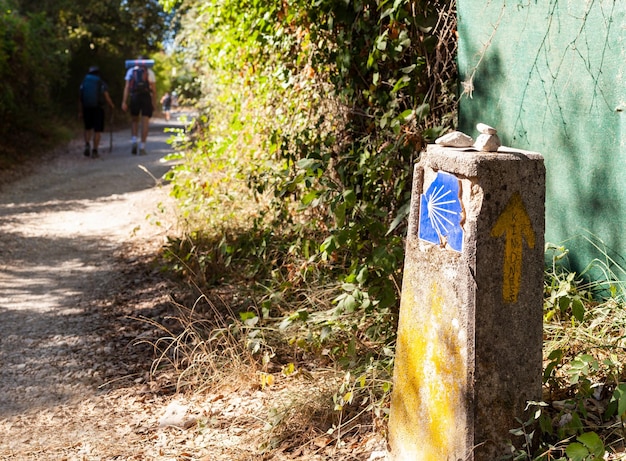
(320, 108)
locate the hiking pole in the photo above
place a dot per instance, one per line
(111, 131)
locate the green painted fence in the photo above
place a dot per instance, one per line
(549, 75)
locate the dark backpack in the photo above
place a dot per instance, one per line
(92, 91)
(139, 83)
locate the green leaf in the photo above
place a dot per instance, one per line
(422, 111)
(309, 197)
(340, 214)
(556, 355)
(348, 303)
(349, 197)
(308, 164)
(247, 316)
(402, 214)
(303, 315)
(590, 360)
(576, 452)
(329, 245)
(348, 287)
(592, 442)
(362, 275)
(545, 424)
(548, 371)
(387, 12)
(430, 134)
(619, 396)
(401, 83)
(406, 114)
(578, 310)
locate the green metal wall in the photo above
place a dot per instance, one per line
(549, 75)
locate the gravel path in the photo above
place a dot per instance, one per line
(77, 243)
(74, 238)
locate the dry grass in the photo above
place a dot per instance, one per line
(202, 352)
(208, 349)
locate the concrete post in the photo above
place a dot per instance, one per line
(469, 350)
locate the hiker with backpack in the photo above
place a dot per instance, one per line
(166, 104)
(141, 88)
(93, 94)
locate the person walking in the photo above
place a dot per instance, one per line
(166, 104)
(93, 94)
(140, 87)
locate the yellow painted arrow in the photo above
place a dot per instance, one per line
(515, 223)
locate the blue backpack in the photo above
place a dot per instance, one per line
(92, 91)
(139, 83)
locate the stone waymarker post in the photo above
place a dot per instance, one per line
(469, 350)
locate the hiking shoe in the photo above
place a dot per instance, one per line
(94, 153)
(86, 151)
(142, 151)
(133, 149)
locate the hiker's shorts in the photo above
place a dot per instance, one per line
(93, 118)
(141, 104)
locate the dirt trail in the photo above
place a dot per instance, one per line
(74, 236)
(77, 239)
(61, 228)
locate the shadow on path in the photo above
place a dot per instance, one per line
(64, 234)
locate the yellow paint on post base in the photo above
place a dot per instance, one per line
(428, 406)
(515, 223)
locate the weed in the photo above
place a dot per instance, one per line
(204, 352)
(584, 344)
(301, 417)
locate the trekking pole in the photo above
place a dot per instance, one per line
(111, 131)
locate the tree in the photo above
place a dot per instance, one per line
(31, 63)
(47, 46)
